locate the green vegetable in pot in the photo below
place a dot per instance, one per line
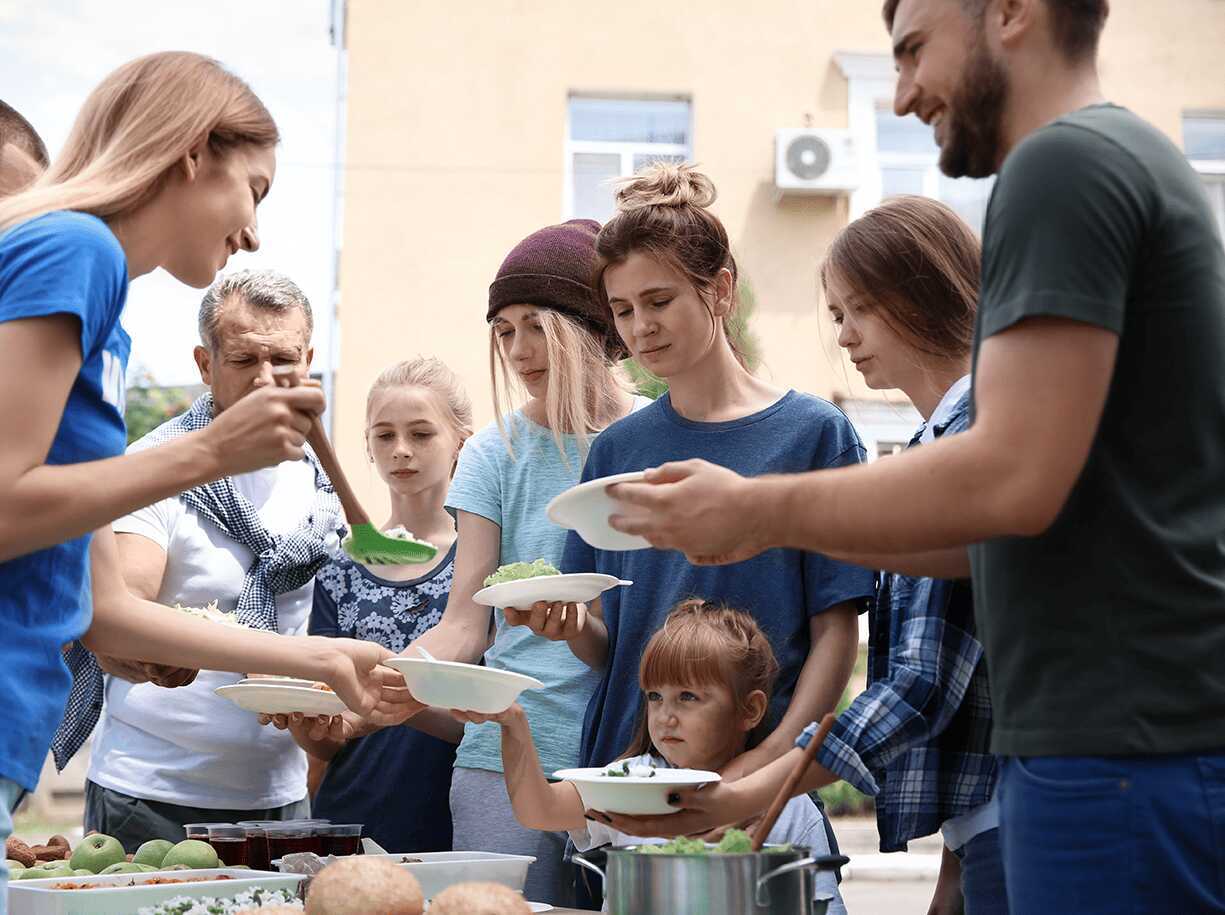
(734, 842)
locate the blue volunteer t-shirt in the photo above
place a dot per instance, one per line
(782, 589)
(63, 263)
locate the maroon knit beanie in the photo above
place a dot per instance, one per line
(553, 268)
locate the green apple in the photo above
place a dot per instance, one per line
(192, 852)
(96, 853)
(57, 869)
(123, 867)
(82, 872)
(14, 865)
(176, 867)
(152, 852)
(146, 868)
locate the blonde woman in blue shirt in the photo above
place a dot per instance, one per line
(164, 167)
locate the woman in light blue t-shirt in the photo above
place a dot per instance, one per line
(550, 343)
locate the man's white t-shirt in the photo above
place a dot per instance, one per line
(189, 746)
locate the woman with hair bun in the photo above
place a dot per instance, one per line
(668, 281)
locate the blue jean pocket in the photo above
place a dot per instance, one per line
(1074, 775)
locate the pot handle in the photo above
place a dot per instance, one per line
(583, 862)
(819, 863)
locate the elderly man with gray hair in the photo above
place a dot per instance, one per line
(166, 757)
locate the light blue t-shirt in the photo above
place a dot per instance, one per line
(512, 492)
(71, 264)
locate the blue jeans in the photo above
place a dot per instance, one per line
(1087, 834)
(983, 887)
(10, 794)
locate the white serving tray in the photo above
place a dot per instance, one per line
(36, 897)
(438, 870)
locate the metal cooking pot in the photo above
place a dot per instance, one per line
(779, 882)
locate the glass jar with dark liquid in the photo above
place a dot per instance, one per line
(257, 844)
(230, 844)
(343, 839)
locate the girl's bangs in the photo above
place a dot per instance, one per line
(684, 653)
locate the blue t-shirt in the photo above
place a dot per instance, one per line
(782, 589)
(396, 781)
(512, 492)
(60, 264)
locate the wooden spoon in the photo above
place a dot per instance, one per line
(784, 793)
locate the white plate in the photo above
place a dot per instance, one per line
(586, 508)
(469, 687)
(583, 586)
(116, 897)
(272, 699)
(633, 795)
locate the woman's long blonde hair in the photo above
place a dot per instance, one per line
(135, 127)
(585, 388)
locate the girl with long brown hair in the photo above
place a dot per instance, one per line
(164, 167)
(901, 285)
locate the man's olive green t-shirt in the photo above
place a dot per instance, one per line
(1105, 634)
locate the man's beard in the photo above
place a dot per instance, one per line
(971, 149)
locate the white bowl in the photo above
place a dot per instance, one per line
(573, 588)
(633, 795)
(274, 699)
(585, 509)
(467, 687)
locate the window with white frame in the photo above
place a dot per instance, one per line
(908, 157)
(899, 155)
(610, 138)
(1203, 136)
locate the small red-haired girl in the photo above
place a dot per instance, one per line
(706, 678)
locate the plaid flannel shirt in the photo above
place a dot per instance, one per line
(918, 738)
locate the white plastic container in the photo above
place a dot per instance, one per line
(120, 897)
(437, 870)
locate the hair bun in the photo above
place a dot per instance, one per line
(666, 184)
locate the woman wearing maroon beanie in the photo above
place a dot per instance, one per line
(552, 345)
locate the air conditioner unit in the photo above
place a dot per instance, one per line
(814, 161)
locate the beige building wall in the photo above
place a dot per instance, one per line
(456, 132)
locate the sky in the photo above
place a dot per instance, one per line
(53, 52)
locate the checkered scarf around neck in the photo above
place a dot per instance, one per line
(283, 563)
